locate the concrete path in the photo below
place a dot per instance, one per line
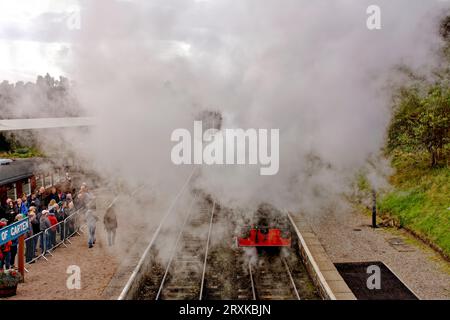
(348, 238)
(46, 280)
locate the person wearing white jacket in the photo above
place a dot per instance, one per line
(91, 221)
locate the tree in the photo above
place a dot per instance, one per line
(421, 121)
(47, 97)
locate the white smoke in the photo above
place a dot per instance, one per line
(309, 68)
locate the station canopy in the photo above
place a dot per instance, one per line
(44, 123)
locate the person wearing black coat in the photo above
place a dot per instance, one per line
(40, 199)
(2, 212)
(11, 212)
(52, 196)
(60, 214)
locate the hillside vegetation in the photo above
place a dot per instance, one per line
(420, 199)
(11, 147)
(419, 146)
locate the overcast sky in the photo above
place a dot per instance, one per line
(34, 37)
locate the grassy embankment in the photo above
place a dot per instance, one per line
(420, 200)
(21, 153)
(12, 149)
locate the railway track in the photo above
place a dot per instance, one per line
(204, 264)
(184, 275)
(196, 257)
(269, 282)
(226, 275)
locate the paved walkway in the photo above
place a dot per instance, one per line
(348, 237)
(46, 280)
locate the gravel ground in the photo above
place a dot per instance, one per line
(349, 238)
(46, 280)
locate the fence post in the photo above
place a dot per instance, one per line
(22, 256)
(44, 245)
(67, 231)
(47, 238)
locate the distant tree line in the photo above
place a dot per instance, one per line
(45, 98)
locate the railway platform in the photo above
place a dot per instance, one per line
(325, 275)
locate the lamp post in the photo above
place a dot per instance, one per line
(374, 209)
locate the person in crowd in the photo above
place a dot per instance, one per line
(69, 200)
(11, 212)
(72, 221)
(61, 216)
(36, 210)
(44, 223)
(41, 197)
(51, 205)
(22, 207)
(63, 196)
(33, 201)
(2, 212)
(83, 197)
(52, 231)
(110, 222)
(33, 209)
(5, 254)
(34, 220)
(14, 244)
(68, 181)
(52, 196)
(13, 252)
(91, 220)
(31, 245)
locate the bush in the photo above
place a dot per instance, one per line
(421, 122)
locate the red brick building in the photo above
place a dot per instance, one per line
(26, 175)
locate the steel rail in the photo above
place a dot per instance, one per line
(140, 264)
(206, 251)
(290, 277)
(251, 280)
(175, 247)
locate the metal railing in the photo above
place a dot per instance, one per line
(51, 238)
(73, 224)
(31, 247)
(47, 240)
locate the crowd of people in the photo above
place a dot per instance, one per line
(46, 212)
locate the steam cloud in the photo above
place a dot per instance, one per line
(309, 68)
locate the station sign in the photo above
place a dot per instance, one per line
(14, 231)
